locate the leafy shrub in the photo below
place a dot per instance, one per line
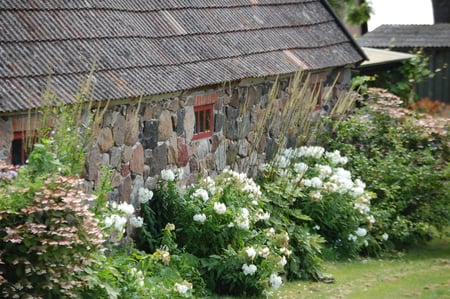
(46, 246)
(310, 188)
(405, 164)
(222, 223)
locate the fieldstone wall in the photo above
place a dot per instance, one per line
(6, 137)
(138, 144)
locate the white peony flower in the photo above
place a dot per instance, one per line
(243, 223)
(249, 269)
(183, 288)
(361, 232)
(264, 252)
(126, 208)
(251, 252)
(136, 221)
(144, 195)
(275, 281)
(283, 261)
(201, 193)
(199, 218)
(352, 238)
(220, 208)
(300, 168)
(167, 175)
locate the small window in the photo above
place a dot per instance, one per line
(19, 152)
(204, 121)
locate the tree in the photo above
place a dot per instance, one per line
(353, 12)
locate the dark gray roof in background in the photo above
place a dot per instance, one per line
(407, 36)
(152, 47)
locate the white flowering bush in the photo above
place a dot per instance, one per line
(314, 182)
(223, 223)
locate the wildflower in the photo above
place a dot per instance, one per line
(144, 195)
(220, 208)
(251, 252)
(371, 219)
(283, 261)
(199, 218)
(315, 195)
(126, 208)
(361, 232)
(249, 269)
(352, 237)
(385, 236)
(170, 227)
(316, 227)
(201, 193)
(243, 223)
(264, 252)
(136, 221)
(167, 175)
(183, 288)
(275, 281)
(300, 168)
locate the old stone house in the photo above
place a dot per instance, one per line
(192, 65)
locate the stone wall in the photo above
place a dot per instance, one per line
(6, 137)
(137, 141)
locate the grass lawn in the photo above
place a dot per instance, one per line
(423, 272)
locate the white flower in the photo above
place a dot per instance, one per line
(251, 252)
(249, 269)
(108, 221)
(201, 193)
(316, 227)
(311, 151)
(371, 219)
(285, 251)
(300, 167)
(275, 281)
(136, 221)
(385, 236)
(244, 212)
(261, 215)
(336, 157)
(243, 223)
(316, 195)
(324, 171)
(361, 232)
(352, 238)
(199, 218)
(357, 191)
(220, 208)
(264, 252)
(167, 175)
(126, 208)
(283, 261)
(118, 222)
(183, 288)
(144, 195)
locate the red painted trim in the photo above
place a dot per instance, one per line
(201, 122)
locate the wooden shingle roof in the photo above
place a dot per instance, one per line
(408, 36)
(158, 46)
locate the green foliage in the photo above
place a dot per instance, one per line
(222, 223)
(406, 166)
(310, 181)
(46, 245)
(351, 11)
(402, 80)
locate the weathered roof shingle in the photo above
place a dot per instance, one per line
(152, 47)
(408, 36)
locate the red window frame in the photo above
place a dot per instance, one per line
(204, 121)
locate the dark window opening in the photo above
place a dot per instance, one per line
(204, 121)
